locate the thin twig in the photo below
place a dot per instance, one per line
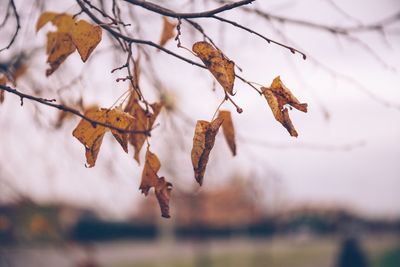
(49, 102)
(291, 49)
(169, 13)
(17, 27)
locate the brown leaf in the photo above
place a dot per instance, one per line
(143, 121)
(69, 36)
(168, 31)
(59, 47)
(150, 179)
(85, 37)
(277, 96)
(228, 129)
(91, 136)
(3, 81)
(203, 142)
(222, 68)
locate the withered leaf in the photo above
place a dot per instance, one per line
(3, 81)
(59, 47)
(222, 68)
(86, 37)
(150, 179)
(228, 129)
(167, 32)
(70, 35)
(144, 120)
(91, 136)
(203, 142)
(277, 96)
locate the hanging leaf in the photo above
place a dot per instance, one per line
(70, 35)
(203, 142)
(228, 129)
(168, 31)
(3, 81)
(277, 96)
(85, 37)
(59, 47)
(222, 68)
(150, 179)
(91, 136)
(144, 120)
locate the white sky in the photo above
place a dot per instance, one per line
(49, 164)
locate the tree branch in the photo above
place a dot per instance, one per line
(169, 13)
(293, 50)
(118, 35)
(49, 102)
(12, 4)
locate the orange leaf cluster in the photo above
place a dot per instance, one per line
(222, 68)
(70, 35)
(277, 96)
(91, 135)
(150, 179)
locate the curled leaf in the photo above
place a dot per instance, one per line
(277, 96)
(91, 136)
(203, 142)
(167, 32)
(70, 35)
(150, 179)
(228, 129)
(144, 120)
(222, 68)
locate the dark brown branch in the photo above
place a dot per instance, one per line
(118, 35)
(169, 13)
(12, 4)
(293, 50)
(49, 102)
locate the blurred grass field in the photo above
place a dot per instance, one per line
(280, 252)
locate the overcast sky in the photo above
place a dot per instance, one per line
(315, 168)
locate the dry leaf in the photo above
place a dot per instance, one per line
(279, 95)
(228, 129)
(3, 81)
(143, 121)
(91, 136)
(69, 36)
(168, 31)
(222, 68)
(85, 37)
(150, 179)
(203, 142)
(59, 47)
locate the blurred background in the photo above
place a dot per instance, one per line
(327, 198)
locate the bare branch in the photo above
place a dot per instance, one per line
(12, 4)
(293, 50)
(169, 13)
(50, 102)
